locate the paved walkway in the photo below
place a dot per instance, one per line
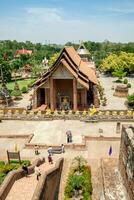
(25, 101)
(24, 188)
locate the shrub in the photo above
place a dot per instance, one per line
(26, 162)
(2, 177)
(125, 81)
(79, 161)
(7, 168)
(130, 99)
(118, 81)
(2, 163)
(24, 89)
(79, 180)
(16, 93)
(23, 162)
(104, 101)
(129, 85)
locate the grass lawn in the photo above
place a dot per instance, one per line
(21, 83)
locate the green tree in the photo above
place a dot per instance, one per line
(37, 70)
(53, 59)
(5, 68)
(123, 61)
(119, 73)
(16, 64)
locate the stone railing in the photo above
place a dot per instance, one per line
(48, 185)
(15, 175)
(103, 115)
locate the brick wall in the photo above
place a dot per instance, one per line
(126, 159)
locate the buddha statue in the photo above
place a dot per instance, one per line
(65, 101)
(65, 104)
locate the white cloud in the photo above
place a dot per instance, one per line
(46, 14)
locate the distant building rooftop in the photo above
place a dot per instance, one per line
(22, 52)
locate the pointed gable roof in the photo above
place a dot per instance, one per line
(82, 50)
(73, 62)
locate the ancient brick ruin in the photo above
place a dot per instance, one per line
(126, 160)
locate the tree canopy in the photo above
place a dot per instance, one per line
(9, 63)
(123, 61)
(107, 55)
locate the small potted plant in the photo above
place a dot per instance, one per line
(104, 101)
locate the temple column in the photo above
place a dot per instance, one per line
(74, 94)
(85, 97)
(95, 97)
(54, 92)
(35, 99)
(46, 99)
(51, 94)
(82, 98)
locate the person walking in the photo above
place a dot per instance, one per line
(62, 148)
(50, 160)
(49, 150)
(68, 136)
(36, 149)
(37, 172)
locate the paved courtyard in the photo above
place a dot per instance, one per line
(114, 103)
(54, 132)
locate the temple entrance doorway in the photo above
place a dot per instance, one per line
(64, 94)
(41, 96)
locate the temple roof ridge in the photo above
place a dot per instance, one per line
(77, 67)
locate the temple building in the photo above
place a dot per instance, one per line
(69, 84)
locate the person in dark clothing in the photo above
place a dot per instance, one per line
(50, 160)
(25, 169)
(68, 133)
(36, 149)
(70, 137)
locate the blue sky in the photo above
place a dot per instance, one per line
(60, 21)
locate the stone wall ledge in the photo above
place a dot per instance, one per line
(48, 185)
